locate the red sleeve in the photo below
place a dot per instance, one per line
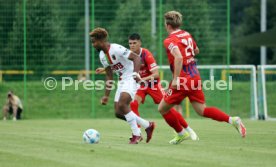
(150, 61)
(194, 43)
(169, 44)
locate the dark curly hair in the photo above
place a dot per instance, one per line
(99, 34)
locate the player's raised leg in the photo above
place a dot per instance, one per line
(218, 115)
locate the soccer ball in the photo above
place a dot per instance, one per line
(91, 136)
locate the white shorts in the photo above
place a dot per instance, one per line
(127, 85)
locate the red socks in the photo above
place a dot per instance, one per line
(179, 117)
(134, 107)
(172, 120)
(216, 114)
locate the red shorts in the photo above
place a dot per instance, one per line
(155, 91)
(191, 89)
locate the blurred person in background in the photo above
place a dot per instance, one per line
(13, 106)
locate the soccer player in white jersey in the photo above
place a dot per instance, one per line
(126, 64)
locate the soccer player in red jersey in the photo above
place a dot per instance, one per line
(151, 85)
(181, 49)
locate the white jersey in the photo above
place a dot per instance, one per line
(18, 102)
(15, 102)
(117, 59)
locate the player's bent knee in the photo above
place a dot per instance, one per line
(161, 109)
(199, 108)
(120, 116)
(121, 106)
(199, 112)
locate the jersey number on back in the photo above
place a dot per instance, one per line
(189, 49)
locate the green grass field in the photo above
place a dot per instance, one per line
(58, 143)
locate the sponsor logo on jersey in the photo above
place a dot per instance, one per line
(113, 57)
(153, 65)
(170, 46)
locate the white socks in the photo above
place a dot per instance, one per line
(131, 119)
(182, 132)
(188, 129)
(144, 123)
(230, 120)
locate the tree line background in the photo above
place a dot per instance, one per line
(55, 30)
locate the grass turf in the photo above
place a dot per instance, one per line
(44, 143)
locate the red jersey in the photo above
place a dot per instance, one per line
(186, 44)
(148, 63)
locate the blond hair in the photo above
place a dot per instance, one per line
(99, 34)
(173, 18)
